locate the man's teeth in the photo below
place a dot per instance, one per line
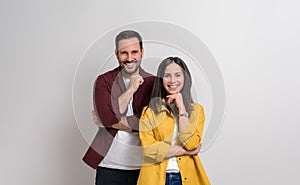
(129, 64)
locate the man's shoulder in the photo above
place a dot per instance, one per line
(109, 74)
(144, 73)
(147, 76)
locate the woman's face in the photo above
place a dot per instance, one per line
(173, 79)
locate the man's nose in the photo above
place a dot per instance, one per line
(129, 57)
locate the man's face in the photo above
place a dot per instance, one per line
(129, 55)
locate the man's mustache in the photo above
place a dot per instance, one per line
(128, 62)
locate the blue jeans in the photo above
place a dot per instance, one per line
(173, 179)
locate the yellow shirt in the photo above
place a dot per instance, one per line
(156, 131)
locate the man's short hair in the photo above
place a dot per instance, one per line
(127, 34)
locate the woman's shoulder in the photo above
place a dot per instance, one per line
(197, 110)
(149, 113)
(147, 110)
(197, 106)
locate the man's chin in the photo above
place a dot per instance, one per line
(131, 71)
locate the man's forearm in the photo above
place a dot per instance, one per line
(122, 125)
(124, 100)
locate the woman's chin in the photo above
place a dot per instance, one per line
(172, 92)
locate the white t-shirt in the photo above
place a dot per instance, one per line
(125, 152)
(172, 163)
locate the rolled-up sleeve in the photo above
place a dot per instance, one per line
(192, 134)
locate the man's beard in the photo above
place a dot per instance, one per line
(130, 72)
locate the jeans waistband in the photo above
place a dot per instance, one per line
(173, 174)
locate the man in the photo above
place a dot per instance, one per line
(119, 97)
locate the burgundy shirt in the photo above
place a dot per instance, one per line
(108, 87)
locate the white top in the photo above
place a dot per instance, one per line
(172, 163)
(125, 152)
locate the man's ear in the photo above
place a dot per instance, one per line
(142, 52)
(116, 53)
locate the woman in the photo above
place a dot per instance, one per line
(171, 130)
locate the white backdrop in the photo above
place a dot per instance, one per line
(256, 46)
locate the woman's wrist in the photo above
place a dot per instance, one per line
(185, 114)
(182, 110)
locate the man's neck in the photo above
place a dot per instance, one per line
(126, 75)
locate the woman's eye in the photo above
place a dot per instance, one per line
(166, 75)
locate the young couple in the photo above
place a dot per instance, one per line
(134, 109)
